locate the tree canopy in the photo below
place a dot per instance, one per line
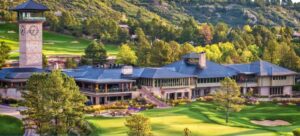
(4, 53)
(54, 104)
(228, 98)
(95, 54)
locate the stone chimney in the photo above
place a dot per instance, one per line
(202, 60)
(127, 70)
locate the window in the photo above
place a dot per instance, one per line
(279, 77)
(276, 90)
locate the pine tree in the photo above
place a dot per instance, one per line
(143, 48)
(227, 98)
(138, 125)
(95, 54)
(54, 104)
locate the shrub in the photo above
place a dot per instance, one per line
(205, 99)
(296, 132)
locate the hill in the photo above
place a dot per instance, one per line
(54, 43)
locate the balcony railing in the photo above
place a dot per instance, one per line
(32, 19)
(115, 90)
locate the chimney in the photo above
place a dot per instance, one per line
(202, 60)
(127, 70)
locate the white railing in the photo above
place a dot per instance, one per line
(33, 19)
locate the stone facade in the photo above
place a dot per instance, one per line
(31, 44)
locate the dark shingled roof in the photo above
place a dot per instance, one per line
(262, 68)
(160, 73)
(212, 69)
(18, 73)
(30, 5)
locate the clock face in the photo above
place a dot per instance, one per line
(33, 30)
(23, 30)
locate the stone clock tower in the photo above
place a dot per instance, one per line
(31, 19)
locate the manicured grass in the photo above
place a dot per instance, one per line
(10, 126)
(203, 119)
(54, 43)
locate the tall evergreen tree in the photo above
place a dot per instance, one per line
(228, 98)
(138, 125)
(54, 104)
(95, 54)
(143, 48)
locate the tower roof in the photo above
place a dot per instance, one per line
(30, 5)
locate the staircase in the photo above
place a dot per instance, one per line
(146, 93)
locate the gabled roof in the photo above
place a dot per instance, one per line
(30, 5)
(261, 68)
(212, 69)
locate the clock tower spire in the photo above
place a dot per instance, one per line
(31, 19)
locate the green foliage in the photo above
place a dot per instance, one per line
(71, 63)
(54, 104)
(45, 61)
(126, 55)
(95, 54)
(4, 53)
(228, 98)
(187, 132)
(296, 132)
(143, 48)
(138, 125)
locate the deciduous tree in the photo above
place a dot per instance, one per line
(4, 53)
(126, 55)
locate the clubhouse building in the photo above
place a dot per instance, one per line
(191, 77)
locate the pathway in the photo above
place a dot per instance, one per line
(146, 93)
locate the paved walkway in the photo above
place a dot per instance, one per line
(15, 112)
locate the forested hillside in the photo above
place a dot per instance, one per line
(160, 31)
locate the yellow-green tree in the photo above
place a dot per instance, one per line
(138, 125)
(4, 53)
(228, 98)
(126, 55)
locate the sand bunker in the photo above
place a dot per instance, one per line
(271, 123)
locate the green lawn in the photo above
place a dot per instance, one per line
(54, 43)
(10, 126)
(203, 120)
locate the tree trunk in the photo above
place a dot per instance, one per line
(227, 116)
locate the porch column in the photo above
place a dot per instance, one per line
(244, 90)
(97, 88)
(105, 100)
(122, 86)
(106, 89)
(175, 95)
(122, 98)
(97, 100)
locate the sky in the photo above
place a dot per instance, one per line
(296, 0)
